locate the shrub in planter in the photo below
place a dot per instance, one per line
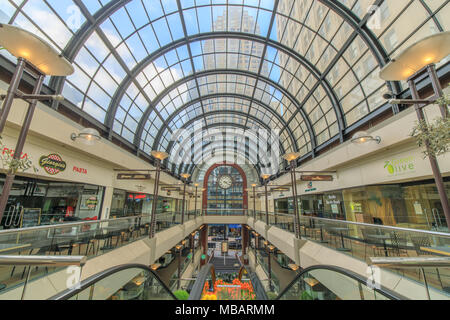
(181, 295)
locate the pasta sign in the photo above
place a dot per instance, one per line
(52, 164)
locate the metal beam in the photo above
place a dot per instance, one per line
(112, 109)
(206, 127)
(78, 40)
(220, 95)
(145, 116)
(261, 63)
(360, 26)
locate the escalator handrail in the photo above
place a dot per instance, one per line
(353, 275)
(256, 283)
(199, 284)
(69, 293)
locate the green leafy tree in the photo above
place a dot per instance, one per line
(435, 134)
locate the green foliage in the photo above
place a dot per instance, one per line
(271, 295)
(14, 165)
(436, 135)
(306, 296)
(181, 295)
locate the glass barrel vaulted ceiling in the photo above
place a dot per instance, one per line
(147, 68)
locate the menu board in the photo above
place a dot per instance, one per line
(31, 217)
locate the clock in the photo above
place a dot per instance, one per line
(225, 181)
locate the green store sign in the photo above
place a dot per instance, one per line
(400, 166)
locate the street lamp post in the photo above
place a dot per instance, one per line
(37, 56)
(266, 181)
(269, 264)
(292, 159)
(254, 200)
(195, 200)
(414, 61)
(159, 156)
(179, 248)
(185, 177)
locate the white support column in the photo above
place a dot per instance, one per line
(107, 200)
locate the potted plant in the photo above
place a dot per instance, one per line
(181, 295)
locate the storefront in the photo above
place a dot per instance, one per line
(126, 204)
(409, 205)
(34, 202)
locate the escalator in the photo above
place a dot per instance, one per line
(242, 285)
(334, 283)
(139, 282)
(126, 282)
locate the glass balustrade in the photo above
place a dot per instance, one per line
(361, 241)
(89, 239)
(131, 283)
(324, 284)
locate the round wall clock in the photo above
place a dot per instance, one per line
(225, 181)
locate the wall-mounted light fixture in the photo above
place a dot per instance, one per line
(87, 136)
(363, 137)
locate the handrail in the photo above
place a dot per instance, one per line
(199, 284)
(382, 290)
(68, 224)
(256, 283)
(392, 228)
(67, 294)
(44, 261)
(413, 262)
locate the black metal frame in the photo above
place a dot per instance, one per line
(359, 25)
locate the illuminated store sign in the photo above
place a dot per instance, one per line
(310, 187)
(52, 164)
(400, 166)
(133, 176)
(316, 177)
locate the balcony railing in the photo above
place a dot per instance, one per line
(361, 241)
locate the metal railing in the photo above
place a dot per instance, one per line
(310, 281)
(41, 261)
(413, 263)
(88, 238)
(225, 212)
(361, 240)
(135, 275)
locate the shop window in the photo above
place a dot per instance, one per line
(35, 202)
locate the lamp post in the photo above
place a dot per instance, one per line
(195, 201)
(37, 56)
(266, 177)
(159, 156)
(292, 159)
(414, 61)
(185, 177)
(179, 248)
(254, 200)
(269, 264)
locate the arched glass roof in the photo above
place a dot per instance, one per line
(145, 69)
